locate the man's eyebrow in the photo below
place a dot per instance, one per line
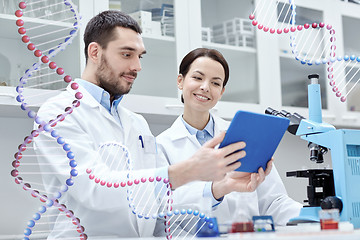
(131, 49)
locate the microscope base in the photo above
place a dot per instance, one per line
(307, 215)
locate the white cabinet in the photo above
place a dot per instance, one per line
(157, 19)
(194, 22)
(54, 19)
(232, 33)
(263, 72)
(15, 58)
(343, 17)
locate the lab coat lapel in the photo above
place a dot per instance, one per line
(90, 100)
(223, 211)
(220, 125)
(127, 120)
(180, 131)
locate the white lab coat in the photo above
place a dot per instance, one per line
(270, 198)
(102, 211)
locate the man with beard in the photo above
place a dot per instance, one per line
(113, 49)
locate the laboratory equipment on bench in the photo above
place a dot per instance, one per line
(263, 224)
(321, 186)
(344, 145)
(207, 226)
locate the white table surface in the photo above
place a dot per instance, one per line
(303, 232)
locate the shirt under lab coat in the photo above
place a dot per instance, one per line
(270, 198)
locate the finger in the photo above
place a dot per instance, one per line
(231, 148)
(233, 166)
(261, 176)
(234, 157)
(238, 174)
(253, 182)
(215, 141)
(269, 167)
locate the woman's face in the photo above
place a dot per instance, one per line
(202, 87)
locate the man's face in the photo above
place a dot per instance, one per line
(119, 63)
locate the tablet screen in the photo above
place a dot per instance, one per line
(262, 134)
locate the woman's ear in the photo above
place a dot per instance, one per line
(180, 81)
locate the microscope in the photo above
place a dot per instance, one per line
(339, 185)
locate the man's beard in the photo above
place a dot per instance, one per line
(109, 82)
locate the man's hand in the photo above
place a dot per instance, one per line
(208, 163)
(240, 181)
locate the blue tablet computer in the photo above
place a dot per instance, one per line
(262, 134)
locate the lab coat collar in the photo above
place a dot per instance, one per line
(99, 94)
(220, 125)
(89, 100)
(179, 131)
(208, 128)
(126, 118)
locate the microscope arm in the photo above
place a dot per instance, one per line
(308, 127)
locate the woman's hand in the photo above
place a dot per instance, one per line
(240, 181)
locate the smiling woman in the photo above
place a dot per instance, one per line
(203, 75)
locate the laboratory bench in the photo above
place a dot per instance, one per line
(306, 231)
(278, 235)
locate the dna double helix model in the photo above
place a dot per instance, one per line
(45, 40)
(47, 28)
(46, 35)
(311, 43)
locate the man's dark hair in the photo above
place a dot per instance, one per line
(100, 28)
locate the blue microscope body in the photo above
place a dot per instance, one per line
(345, 156)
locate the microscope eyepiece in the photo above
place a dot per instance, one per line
(271, 111)
(314, 75)
(295, 118)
